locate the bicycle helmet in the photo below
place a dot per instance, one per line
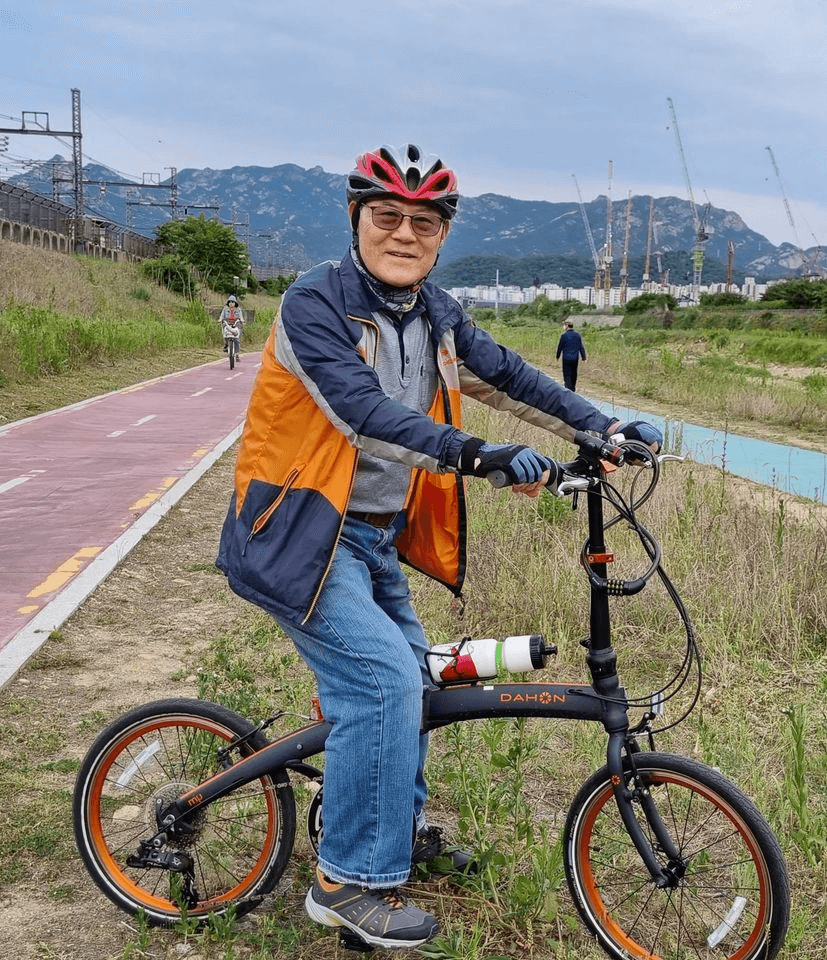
(404, 172)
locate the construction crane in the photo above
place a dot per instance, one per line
(624, 269)
(805, 265)
(607, 249)
(663, 278)
(648, 261)
(698, 220)
(592, 247)
(730, 266)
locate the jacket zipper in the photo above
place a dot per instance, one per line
(317, 594)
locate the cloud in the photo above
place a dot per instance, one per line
(516, 94)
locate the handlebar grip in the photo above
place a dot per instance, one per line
(599, 448)
(499, 478)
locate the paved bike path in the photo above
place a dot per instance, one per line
(81, 485)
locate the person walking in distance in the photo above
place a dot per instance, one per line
(352, 461)
(571, 347)
(231, 316)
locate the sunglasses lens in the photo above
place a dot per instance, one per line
(386, 218)
(425, 226)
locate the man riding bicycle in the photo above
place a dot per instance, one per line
(351, 460)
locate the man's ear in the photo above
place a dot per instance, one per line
(446, 226)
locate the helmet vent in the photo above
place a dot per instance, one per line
(380, 173)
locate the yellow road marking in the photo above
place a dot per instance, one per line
(149, 498)
(64, 572)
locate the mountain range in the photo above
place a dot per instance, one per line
(291, 217)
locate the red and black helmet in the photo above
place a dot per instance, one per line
(407, 173)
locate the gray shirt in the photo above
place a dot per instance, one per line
(406, 368)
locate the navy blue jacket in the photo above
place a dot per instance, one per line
(571, 346)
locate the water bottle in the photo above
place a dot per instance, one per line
(483, 659)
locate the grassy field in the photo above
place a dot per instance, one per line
(75, 327)
(768, 384)
(749, 563)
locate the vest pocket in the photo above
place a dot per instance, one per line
(261, 520)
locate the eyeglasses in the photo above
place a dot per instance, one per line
(389, 218)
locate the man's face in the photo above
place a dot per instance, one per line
(398, 257)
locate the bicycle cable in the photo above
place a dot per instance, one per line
(627, 510)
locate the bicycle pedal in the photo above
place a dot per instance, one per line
(352, 941)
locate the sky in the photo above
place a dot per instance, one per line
(516, 95)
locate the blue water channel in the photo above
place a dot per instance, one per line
(792, 470)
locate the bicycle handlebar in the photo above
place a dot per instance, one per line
(565, 478)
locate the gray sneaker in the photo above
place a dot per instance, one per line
(379, 917)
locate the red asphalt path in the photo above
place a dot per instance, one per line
(81, 485)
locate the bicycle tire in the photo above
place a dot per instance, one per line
(730, 901)
(241, 843)
(233, 348)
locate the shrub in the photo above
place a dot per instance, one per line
(172, 272)
(647, 302)
(722, 299)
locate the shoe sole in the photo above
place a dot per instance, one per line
(329, 918)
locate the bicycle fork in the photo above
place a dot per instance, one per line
(630, 789)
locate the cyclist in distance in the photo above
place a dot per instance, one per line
(232, 316)
(353, 459)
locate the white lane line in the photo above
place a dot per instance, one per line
(143, 420)
(117, 433)
(201, 392)
(16, 424)
(36, 632)
(11, 484)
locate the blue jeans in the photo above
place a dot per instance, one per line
(366, 647)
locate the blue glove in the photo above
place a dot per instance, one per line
(641, 431)
(520, 464)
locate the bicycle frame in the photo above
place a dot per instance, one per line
(603, 701)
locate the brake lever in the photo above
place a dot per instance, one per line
(661, 458)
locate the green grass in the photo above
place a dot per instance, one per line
(750, 566)
(725, 378)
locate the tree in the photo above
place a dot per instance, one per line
(798, 293)
(209, 246)
(276, 285)
(722, 299)
(651, 301)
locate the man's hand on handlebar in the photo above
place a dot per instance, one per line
(638, 430)
(524, 469)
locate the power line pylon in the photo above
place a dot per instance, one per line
(42, 128)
